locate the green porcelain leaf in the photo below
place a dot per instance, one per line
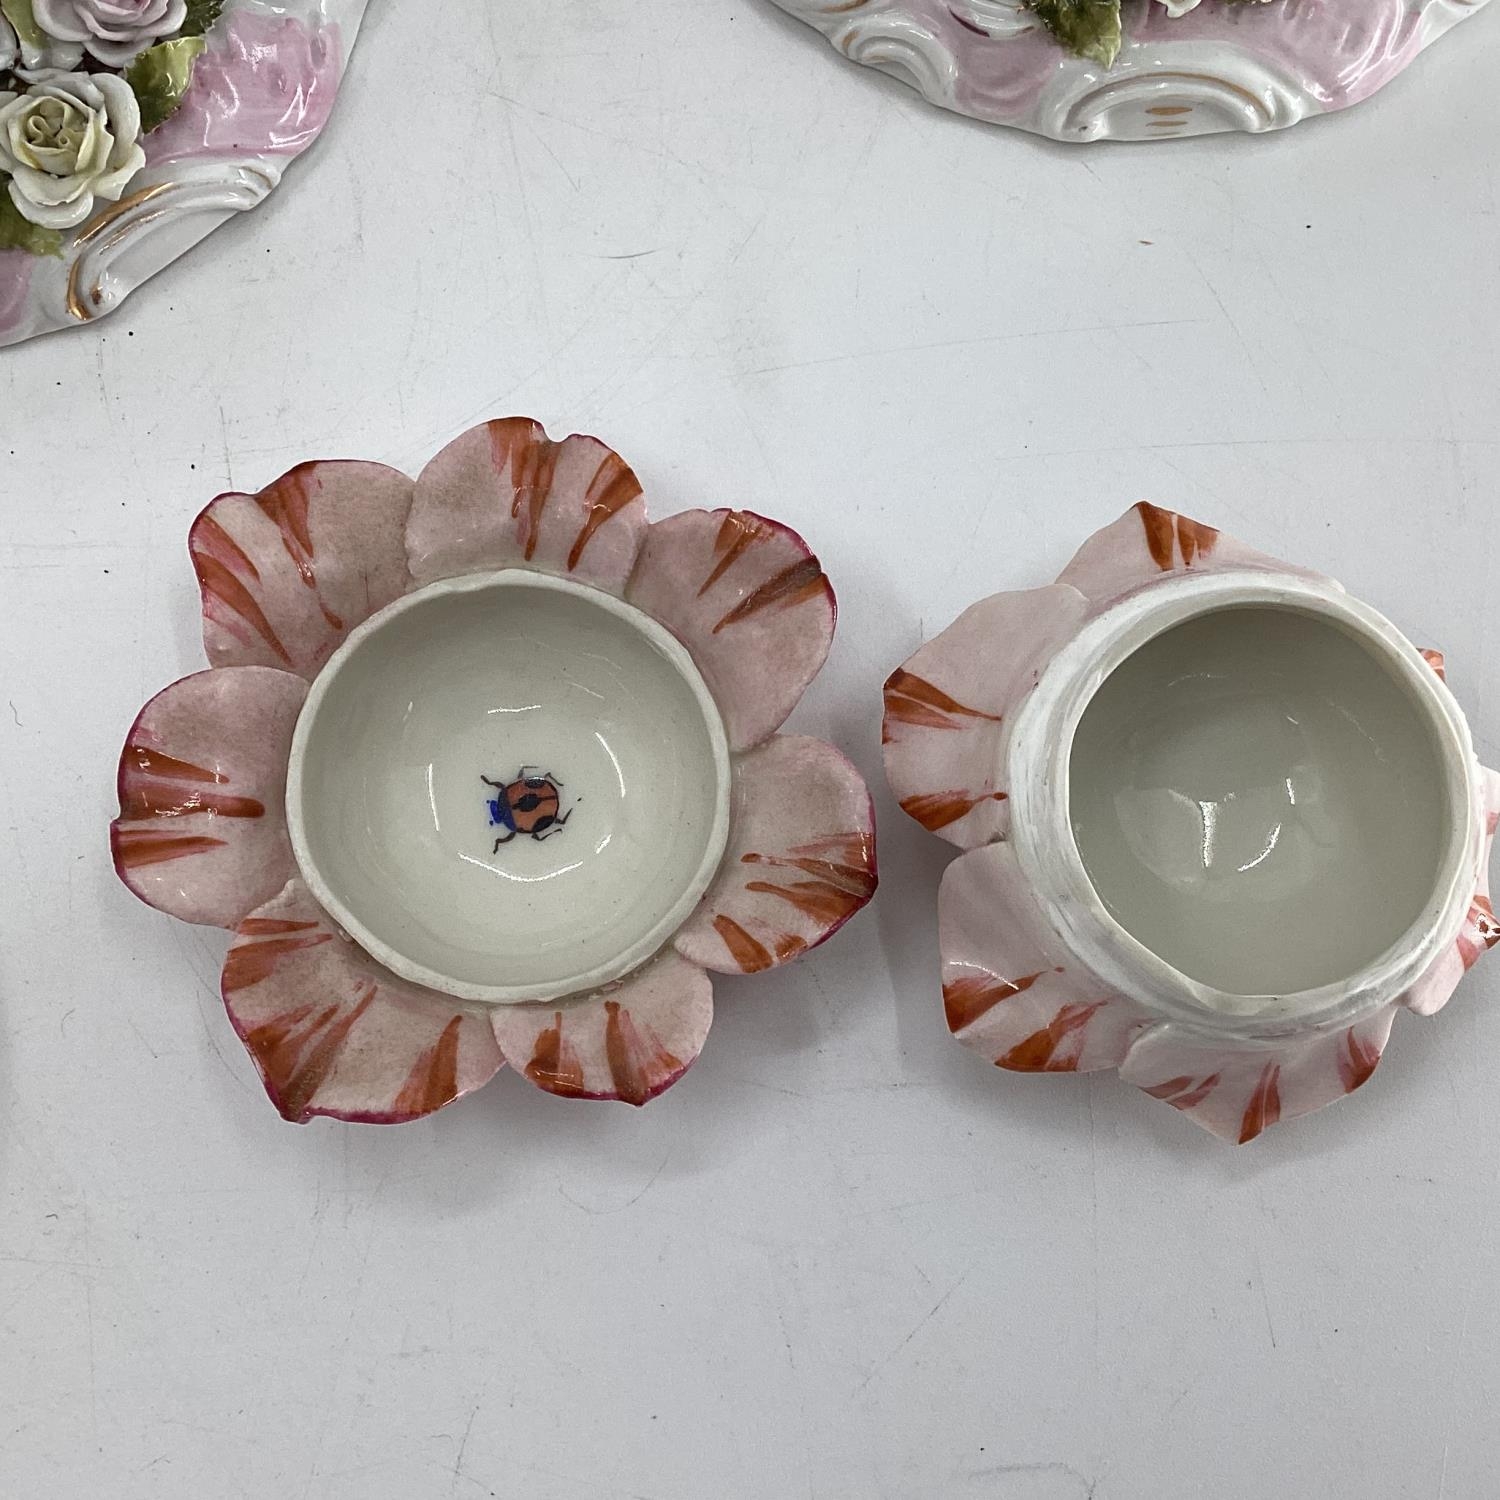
(201, 15)
(1091, 28)
(160, 77)
(18, 232)
(18, 13)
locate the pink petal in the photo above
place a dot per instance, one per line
(1148, 544)
(286, 574)
(1010, 988)
(1239, 1092)
(202, 781)
(1481, 929)
(800, 861)
(504, 496)
(946, 709)
(749, 600)
(333, 1033)
(630, 1041)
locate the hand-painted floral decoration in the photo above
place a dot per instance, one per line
(288, 574)
(1045, 966)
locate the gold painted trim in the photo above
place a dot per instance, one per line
(83, 309)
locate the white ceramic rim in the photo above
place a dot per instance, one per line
(1039, 754)
(588, 980)
(1224, 84)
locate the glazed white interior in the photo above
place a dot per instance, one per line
(1260, 800)
(556, 880)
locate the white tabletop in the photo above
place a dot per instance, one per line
(843, 1259)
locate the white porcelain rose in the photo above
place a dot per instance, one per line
(113, 31)
(8, 45)
(69, 139)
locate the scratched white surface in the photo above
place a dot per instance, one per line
(843, 1260)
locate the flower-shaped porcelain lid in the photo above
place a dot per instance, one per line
(1096, 923)
(540, 553)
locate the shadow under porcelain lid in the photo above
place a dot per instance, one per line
(1260, 801)
(512, 785)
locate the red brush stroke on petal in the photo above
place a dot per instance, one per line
(134, 848)
(165, 802)
(223, 589)
(824, 903)
(524, 456)
(154, 785)
(1167, 534)
(638, 1063)
(1160, 534)
(1358, 1059)
(935, 810)
(271, 926)
(1194, 1097)
(1195, 539)
(210, 538)
(738, 532)
(1183, 1093)
(296, 1054)
(910, 699)
(751, 955)
(1264, 1108)
(1056, 1047)
(857, 879)
(286, 503)
(554, 1065)
(612, 489)
(247, 964)
(966, 1000)
(1168, 1088)
(433, 1080)
(788, 946)
(151, 762)
(793, 585)
(840, 887)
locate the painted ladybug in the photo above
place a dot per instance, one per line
(529, 804)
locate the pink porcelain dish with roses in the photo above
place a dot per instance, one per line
(130, 129)
(1137, 70)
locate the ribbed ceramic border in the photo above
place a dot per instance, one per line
(1250, 67)
(194, 179)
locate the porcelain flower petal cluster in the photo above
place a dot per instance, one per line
(112, 31)
(1013, 988)
(69, 139)
(286, 575)
(81, 83)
